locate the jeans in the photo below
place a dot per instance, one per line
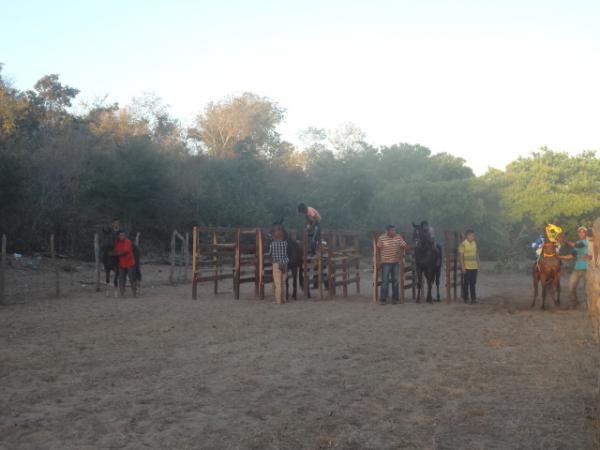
(469, 282)
(576, 275)
(390, 273)
(315, 238)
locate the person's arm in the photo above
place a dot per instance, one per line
(461, 258)
(478, 260)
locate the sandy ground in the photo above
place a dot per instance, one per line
(166, 372)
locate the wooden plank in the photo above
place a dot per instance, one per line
(224, 276)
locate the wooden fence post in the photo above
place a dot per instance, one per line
(56, 272)
(194, 263)
(3, 270)
(261, 264)
(186, 256)
(447, 266)
(402, 273)
(97, 260)
(215, 253)
(237, 265)
(172, 258)
(319, 269)
(375, 253)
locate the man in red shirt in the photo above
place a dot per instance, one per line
(123, 248)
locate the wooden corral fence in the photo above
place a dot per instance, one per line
(179, 257)
(336, 262)
(227, 254)
(47, 273)
(407, 273)
(453, 275)
(239, 254)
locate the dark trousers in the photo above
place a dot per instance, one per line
(125, 273)
(315, 238)
(390, 273)
(469, 282)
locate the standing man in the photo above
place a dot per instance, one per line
(115, 227)
(313, 223)
(123, 249)
(469, 265)
(580, 251)
(390, 247)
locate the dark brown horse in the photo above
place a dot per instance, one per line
(547, 272)
(295, 264)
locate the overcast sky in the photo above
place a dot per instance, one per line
(487, 81)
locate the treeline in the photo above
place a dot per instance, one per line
(68, 173)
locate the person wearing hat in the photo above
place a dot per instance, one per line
(580, 251)
(390, 245)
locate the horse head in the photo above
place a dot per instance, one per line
(421, 235)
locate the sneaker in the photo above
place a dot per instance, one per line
(383, 302)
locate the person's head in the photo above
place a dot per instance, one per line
(424, 224)
(581, 233)
(122, 235)
(277, 232)
(390, 230)
(302, 208)
(470, 235)
(115, 224)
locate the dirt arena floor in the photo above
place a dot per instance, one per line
(166, 372)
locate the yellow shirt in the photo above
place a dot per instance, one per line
(469, 252)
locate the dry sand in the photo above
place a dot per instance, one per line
(166, 372)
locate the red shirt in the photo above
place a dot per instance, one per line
(127, 260)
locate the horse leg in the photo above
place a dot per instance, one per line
(294, 283)
(107, 276)
(419, 283)
(535, 278)
(437, 282)
(429, 280)
(544, 290)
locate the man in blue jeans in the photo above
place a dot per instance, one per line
(390, 247)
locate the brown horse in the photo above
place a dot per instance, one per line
(547, 272)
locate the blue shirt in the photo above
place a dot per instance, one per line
(580, 250)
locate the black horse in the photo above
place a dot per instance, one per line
(295, 264)
(428, 260)
(111, 262)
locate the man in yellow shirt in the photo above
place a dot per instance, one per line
(469, 265)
